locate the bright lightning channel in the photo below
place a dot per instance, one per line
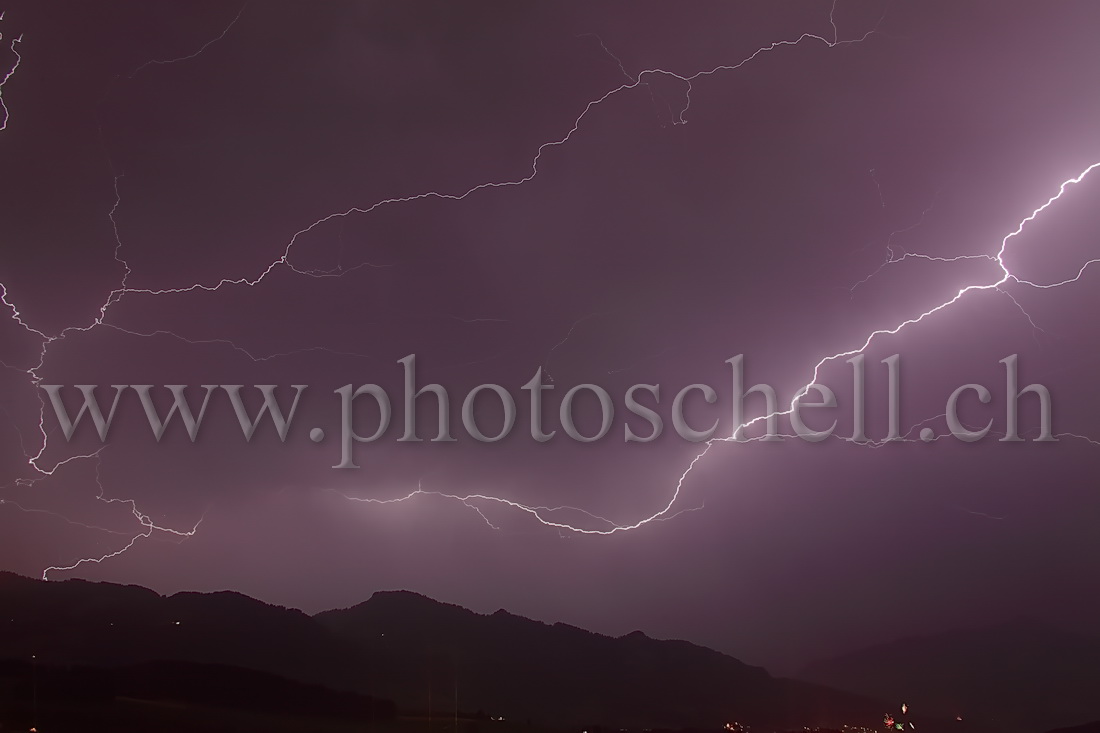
(539, 512)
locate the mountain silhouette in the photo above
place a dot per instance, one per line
(79, 622)
(1017, 676)
(512, 666)
(432, 659)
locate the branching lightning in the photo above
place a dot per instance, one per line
(553, 517)
(8, 75)
(148, 528)
(1005, 276)
(208, 44)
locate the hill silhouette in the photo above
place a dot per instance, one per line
(1018, 676)
(173, 696)
(430, 658)
(103, 624)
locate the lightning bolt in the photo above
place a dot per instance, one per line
(208, 44)
(8, 75)
(58, 515)
(1075, 278)
(540, 513)
(149, 527)
(878, 187)
(543, 514)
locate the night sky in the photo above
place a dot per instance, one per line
(306, 193)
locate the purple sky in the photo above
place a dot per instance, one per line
(670, 231)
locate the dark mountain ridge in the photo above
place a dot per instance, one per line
(102, 624)
(422, 654)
